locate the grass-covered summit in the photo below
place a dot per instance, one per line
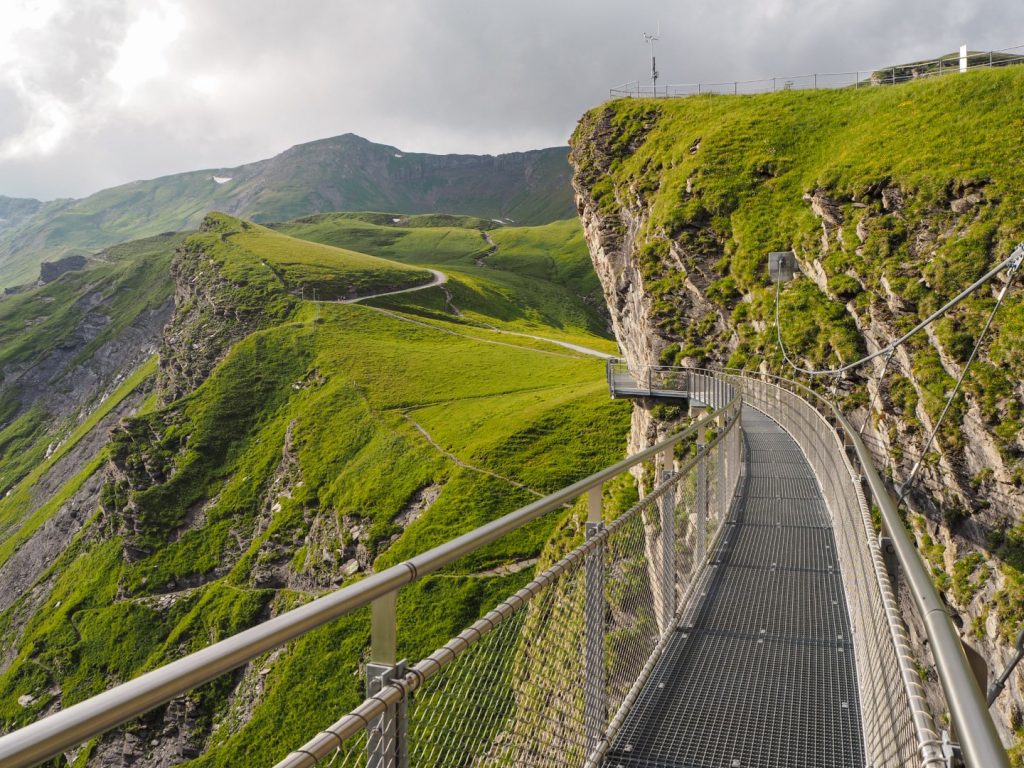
(243, 250)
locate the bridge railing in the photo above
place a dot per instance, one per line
(973, 727)
(896, 715)
(545, 677)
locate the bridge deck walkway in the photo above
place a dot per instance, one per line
(760, 671)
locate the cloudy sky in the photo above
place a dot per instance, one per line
(98, 92)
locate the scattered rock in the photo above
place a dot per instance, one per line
(51, 270)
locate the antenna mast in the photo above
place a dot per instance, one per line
(649, 38)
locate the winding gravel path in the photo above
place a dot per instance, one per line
(440, 278)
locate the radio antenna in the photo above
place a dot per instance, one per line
(651, 39)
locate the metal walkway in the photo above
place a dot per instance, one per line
(760, 672)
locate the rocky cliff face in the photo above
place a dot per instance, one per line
(210, 315)
(678, 219)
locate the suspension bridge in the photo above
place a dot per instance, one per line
(739, 615)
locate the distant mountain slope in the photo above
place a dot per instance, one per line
(341, 173)
(15, 211)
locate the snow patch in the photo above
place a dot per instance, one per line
(399, 156)
(222, 179)
(397, 221)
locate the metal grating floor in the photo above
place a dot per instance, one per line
(760, 672)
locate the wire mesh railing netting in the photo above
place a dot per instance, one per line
(523, 692)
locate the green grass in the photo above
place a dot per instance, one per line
(428, 242)
(41, 323)
(532, 280)
(243, 248)
(15, 528)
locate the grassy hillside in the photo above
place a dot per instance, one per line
(331, 438)
(241, 248)
(340, 173)
(523, 279)
(894, 199)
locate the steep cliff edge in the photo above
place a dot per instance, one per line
(893, 199)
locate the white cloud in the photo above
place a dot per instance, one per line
(142, 54)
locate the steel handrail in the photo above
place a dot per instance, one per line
(979, 740)
(70, 727)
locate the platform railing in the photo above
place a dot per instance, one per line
(548, 676)
(974, 731)
(543, 678)
(899, 728)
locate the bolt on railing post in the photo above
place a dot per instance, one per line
(668, 543)
(594, 714)
(387, 743)
(702, 497)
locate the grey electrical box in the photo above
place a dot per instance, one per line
(781, 266)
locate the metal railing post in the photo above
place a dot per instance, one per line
(387, 744)
(723, 502)
(702, 496)
(668, 542)
(594, 700)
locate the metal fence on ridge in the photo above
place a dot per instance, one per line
(865, 78)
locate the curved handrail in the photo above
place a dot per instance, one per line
(68, 728)
(978, 737)
(979, 740)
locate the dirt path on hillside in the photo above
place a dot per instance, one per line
(459, 462)
(440, 278)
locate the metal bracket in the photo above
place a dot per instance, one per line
(892, 563)
(387, 744)
(1018, 257)
(1000, 683)
(951, 752)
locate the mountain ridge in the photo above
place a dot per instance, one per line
(345, 172)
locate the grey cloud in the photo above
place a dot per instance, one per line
(441, 76)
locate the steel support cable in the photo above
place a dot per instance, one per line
(1013, 261)
(878, 391)
(956, 389)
